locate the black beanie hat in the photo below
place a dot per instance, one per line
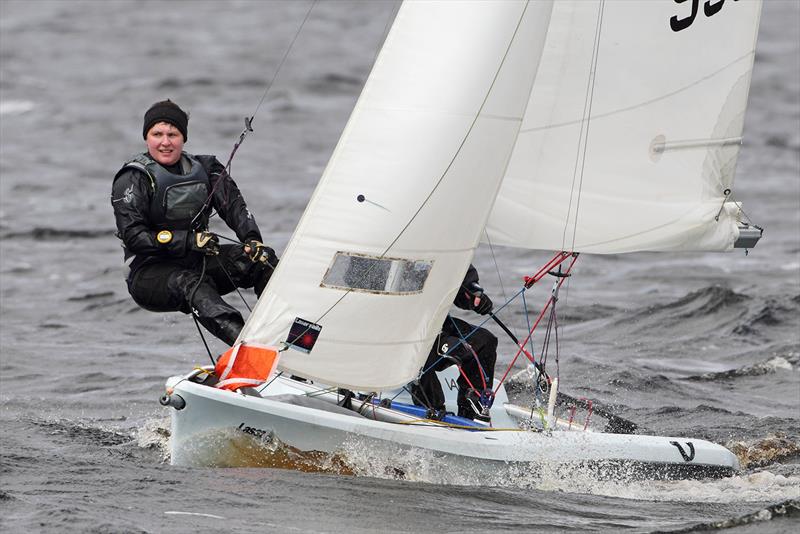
(166, 111)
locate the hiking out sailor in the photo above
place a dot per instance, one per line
(162, 200)
(457, 344)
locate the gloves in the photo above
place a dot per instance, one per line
(258, 251)
(478, 301)
(204, 242)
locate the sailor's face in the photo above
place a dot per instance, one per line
(164, 143)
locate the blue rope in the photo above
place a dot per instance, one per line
(475, 329)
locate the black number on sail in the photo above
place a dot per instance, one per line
(681, 24)
(709, 8)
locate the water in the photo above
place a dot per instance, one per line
(700, 345)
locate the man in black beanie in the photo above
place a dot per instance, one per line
(162, 201)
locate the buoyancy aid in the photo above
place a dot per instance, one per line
(176, 199)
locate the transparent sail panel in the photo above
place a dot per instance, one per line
(359, 272)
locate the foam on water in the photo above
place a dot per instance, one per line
(234, 448)
(762, 486)
(154, 434)
(15, 107)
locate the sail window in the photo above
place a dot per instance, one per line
(360, 272)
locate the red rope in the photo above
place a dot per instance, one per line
(520, 349)
(529, 281)
(460, 370)
(480, 367)
(555, 261)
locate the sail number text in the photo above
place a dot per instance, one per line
(710, 8)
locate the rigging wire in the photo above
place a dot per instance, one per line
(248, 121)
(230, 279)
(497, 270)
(194, 311)
(226, 171)
(283, 60)
(588, 120)
(583, 140)
(588, 117)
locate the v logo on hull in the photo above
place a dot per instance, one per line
(687, 457)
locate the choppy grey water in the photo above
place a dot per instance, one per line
(703, 345)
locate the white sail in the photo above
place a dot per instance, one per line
(631, 135)
(403, 201)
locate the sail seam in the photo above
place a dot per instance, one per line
(641, 104)
(507, 118)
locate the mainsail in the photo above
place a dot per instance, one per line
(393, 224)
(632, 131)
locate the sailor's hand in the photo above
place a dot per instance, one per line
(259, 252)
(479, 302)
(205, 242)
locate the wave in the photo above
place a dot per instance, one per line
(91, 296)
(720, 309)
(631, 381)
(87, 433)
(154, 435)
(575, 314)
(702, 302)
(772, 313)
(46, 233)
(784, 142)
(772, 365)
(782, 510)
(334, 82)
(15, 107)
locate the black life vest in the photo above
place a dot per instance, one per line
(177, 199)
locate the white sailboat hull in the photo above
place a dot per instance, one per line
(208, 411)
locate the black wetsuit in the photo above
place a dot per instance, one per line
(429, 392)
(149, 199)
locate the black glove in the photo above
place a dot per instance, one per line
(479, 302)
(260, 252)
(204, 242)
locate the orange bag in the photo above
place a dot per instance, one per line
(245, 366)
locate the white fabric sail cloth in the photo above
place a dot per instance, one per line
(632, 131)
(585, 125)
(424, 151)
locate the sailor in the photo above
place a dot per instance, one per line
(162, 200)
(474, 352)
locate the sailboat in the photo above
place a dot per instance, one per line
(571, 126)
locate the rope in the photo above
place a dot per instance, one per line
(194, 312)
(474, 354)
(435, 423)
(230, 279)
(497, 269)
(550, 301)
